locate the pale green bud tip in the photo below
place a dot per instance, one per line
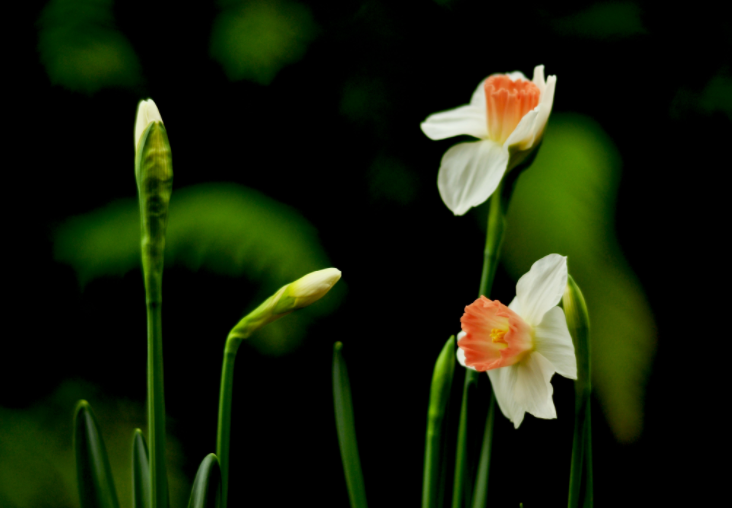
(312, 287)
(147, 113)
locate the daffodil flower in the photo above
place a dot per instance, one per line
(521, 346)
(507, 114)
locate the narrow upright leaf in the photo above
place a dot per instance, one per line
(94, 476)
(206, 492)
(439, 398)
(347, 430)
(578, 322)
(140, 472)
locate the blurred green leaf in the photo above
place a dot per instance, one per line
(141, 490)
(206, 490)
(93, 474)
(37, 457)
(603, 20)
(81, 49)
(565, 203)
(224, 228)
(255, 39)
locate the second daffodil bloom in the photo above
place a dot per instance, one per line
(507, 114)
(521, 346)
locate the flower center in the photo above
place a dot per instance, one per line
(507, 102)
(497, 337)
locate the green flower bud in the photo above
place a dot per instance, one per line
(296, 295)
(154, 174)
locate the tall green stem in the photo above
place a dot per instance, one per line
(493, 242)
(156, 405)
(223, 433)
(154, 174)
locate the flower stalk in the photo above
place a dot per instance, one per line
(578, 321)
(296, 295)
(491, 253)
(154, 175)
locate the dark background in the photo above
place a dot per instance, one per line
(656, 79)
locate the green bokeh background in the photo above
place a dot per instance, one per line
(295, 134)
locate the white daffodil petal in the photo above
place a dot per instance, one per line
(516, 75)
(477, 100)
(469, 174)
(542, 287)
(545, 106)
(460, 354)
(533, 389)
(463, 120)
(525, 132)
(539, 78)
(503, 381)
(554, 342)
(514, 306)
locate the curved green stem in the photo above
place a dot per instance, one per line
(223, 432)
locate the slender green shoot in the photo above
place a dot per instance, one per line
(347, 430)
(94, 476)
(439, 400)
(223, 434)
(141, 491)
(578, 323)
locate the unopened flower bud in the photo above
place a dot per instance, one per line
(154, 174)
(296, 295)
(147, 113)
(307, 290)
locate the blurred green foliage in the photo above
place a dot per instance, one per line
(603, 20)
(82, 50)
(565, 203)
(716, 96)
(255, 39)
(37, 467)
(225, 228)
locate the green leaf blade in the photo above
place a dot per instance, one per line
(94, 475)
(141, 490)
(439, 400)
(347, 430)
(206, 491)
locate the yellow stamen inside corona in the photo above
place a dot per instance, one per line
(497, 335)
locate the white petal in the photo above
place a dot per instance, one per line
(503, 381)
(525, 132)
(477, 100)
(147, 112)
(514, 306)
(542, 287)
(533, 389)
(554, 342)
(545, 106)
(469, 120)
(469, 173)
(516, 75)
(460, 354)
(539, 78)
